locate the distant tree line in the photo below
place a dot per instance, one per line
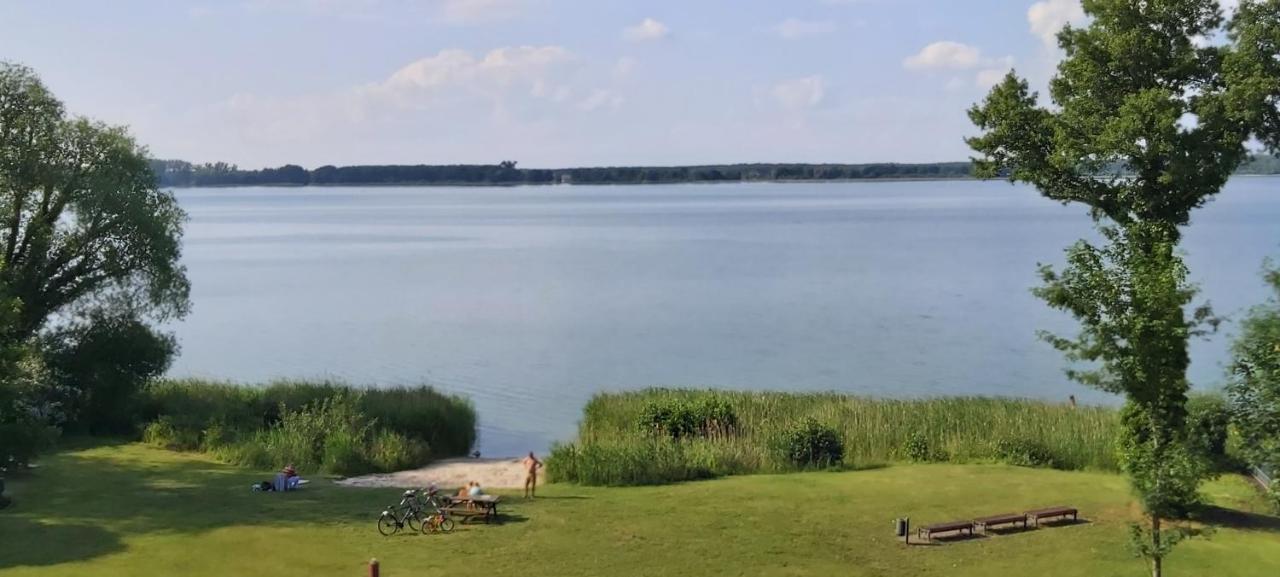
(178, 173)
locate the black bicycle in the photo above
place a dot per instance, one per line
(408, 513)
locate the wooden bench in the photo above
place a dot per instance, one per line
(927, 532)
(984, 523)
(483, 507)
(1039, 515)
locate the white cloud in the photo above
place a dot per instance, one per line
(459, 69)
(1048, 17)
(512, 88)
(472, 11)
(648, 29)
(945, 54)
(989, 77)
(793, 28)
(601, 98)
(800, 93)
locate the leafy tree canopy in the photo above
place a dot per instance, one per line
(81, 217)
(1140, 95)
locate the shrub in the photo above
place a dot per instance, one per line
(164, 434)
(917, 448)
(107, 359)
(682, 418)
(718, 417)
(1025, 453)
(390, 451)
(1208, 428)
(813, 444)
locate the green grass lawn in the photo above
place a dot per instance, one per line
(130, 510)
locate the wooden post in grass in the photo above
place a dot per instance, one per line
(373, 568)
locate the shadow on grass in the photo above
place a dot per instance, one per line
(1061, 522)
(31, 544)
(1234, 519)
(139, 490)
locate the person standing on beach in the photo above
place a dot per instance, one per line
(531, 466)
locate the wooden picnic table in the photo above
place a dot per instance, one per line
(473, 506)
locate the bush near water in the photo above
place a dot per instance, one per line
(319, 426)
(617, 443)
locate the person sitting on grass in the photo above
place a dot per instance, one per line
(287, 479)
(531, 466)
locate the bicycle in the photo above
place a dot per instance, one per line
(438, 523)
(408, 512)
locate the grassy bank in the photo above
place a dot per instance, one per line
(128, 510)
(320, 426)
(617, 444)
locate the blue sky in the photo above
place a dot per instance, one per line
(544, 82)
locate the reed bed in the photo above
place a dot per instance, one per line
(614, 448)
(324, 425)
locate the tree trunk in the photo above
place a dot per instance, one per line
(1156, 556)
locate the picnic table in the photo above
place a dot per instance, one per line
(483, 507)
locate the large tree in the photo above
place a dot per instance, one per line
(81, 216)
(1154, 105)
(84, 233)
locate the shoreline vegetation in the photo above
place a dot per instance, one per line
(659, 436)
(182, 174)
(326, 426)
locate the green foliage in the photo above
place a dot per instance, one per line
(1025, 453)
(84, 220)
(654, 462)
(1121, 95)
(106, 359)
(1165, 470)
(918, 449)
(163, 433)
(1254, 387)
(317, 426)
(30, 408)
(1209, 428)
(446, 423)
(708, 416)
(872, 430)
(812, 444)
(1155, 544)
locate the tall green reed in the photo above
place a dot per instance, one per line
(955, 429)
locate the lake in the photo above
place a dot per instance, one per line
(529, 300)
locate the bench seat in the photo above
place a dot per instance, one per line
(927, 532)
(984, 523)
(1039, 515)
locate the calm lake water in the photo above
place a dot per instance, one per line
(529, 300)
